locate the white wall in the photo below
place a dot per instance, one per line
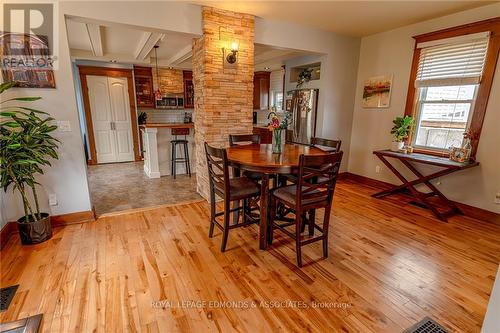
(339, 62)
(391, 53)
(491, 322)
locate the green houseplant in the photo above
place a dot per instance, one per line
(26, 145)
(400, 131)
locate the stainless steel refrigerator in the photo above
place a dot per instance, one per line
(302, 123)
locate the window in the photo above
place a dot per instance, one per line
(451, 79)
(277, 100)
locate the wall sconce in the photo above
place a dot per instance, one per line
(231, 56)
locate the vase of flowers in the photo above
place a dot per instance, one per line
(278, 130)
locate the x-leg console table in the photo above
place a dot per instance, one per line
(447, 166)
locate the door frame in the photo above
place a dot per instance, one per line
(111, 72)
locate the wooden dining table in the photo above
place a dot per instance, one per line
(260, 158)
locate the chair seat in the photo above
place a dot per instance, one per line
(241, 188)
(255, 176)
(179, 141)
(288, 194)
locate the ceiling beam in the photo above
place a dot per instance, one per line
(95, 37)
(181, 56)
(146, 44)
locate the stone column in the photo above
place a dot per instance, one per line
(223, 96)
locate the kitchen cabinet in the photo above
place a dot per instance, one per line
(188, 90)
(261, 84)
(144, 87)
(266, 136)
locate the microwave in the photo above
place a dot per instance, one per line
(170, 102)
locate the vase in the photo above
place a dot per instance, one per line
(278, 141)
(397, 145)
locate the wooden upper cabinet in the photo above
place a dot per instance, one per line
(261, 84)
(188, 89)
(143, 77)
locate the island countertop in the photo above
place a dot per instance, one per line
(167, 125)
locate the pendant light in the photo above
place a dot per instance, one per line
(158, 91)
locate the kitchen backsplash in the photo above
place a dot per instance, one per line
(167, 116)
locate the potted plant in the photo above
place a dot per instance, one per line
(26, 145)
(400, 131)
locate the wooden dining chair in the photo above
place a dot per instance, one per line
(334, 144)
(229, 189)
(314, 189)
(235, 139)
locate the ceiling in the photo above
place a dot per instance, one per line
(352, 18)
(132, 45)
(111, 42)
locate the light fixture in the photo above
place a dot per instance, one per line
(267, 68)
(232, 56)
(158, 91)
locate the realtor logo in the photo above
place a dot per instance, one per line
(27, 44)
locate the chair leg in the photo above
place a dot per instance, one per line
(212, 212)
(225, 231)
(186, 156)
(172, 148)
(326, 223)
(303, 222)
(312, 221)
(298, 250)
(245, 211)
(175, 160)
(271, 219)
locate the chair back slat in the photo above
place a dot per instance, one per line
(317, 177)
(218, 168)
(327, 143)
(235, 139)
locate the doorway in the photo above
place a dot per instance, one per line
(109, 105)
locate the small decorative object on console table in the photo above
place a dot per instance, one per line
(463, 153)
(278, 128)
(400, 131)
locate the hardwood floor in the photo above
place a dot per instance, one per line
(390, 265)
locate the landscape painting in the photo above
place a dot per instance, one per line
(377, 92)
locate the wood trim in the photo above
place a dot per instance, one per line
(27, 325)
(470, 211)
(10, 228)
(111, 72)
(7, 231)
(492, 25)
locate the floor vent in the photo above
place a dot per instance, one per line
(426, 325)
(6, 296)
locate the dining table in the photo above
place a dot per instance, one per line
(261, 159)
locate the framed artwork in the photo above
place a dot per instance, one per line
(377, 92)
(288, 104)
(459, 154)
(26, 60)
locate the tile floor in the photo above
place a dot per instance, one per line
(121, 186)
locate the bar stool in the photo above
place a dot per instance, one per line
(183, 143)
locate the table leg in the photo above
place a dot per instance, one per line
(264, 212)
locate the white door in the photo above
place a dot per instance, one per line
(120, 108)
(110, 110)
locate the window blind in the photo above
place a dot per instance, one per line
(453, 63)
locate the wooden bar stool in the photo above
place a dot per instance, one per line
(184, 144)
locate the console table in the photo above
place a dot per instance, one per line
(447, 166)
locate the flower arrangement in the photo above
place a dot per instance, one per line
(304, 76)
(277, 127)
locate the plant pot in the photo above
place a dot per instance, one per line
(34, 232)
(397, 145)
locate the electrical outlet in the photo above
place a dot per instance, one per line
(63, 126)
(52, 199)
(377, 169)
(497, 198)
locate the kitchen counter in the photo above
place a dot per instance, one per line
(167, 125)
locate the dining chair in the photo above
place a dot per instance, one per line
(235, 139)
(230, 190)
(335, 144)
(314, 189)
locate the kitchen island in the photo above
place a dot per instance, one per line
(156, 146)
